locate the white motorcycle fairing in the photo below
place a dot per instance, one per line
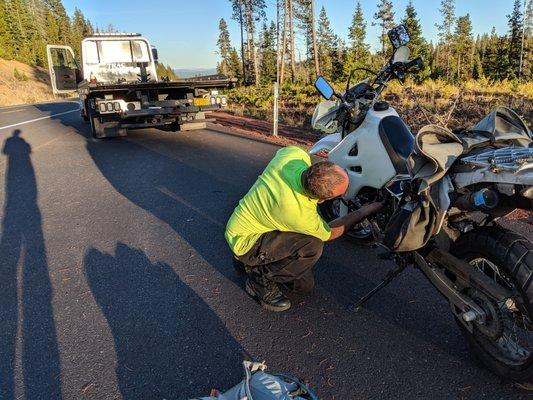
(327, 143)
(362, 153)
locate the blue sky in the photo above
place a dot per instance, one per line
(185, 31)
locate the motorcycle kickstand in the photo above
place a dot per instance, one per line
(393, 273)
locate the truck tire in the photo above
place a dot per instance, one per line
(100, 130)
(84, 110)
(510, 256)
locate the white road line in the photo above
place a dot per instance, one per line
(12, 111)
(38, 119)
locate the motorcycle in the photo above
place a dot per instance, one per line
(444, 193)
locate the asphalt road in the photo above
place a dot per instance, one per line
(116, 281)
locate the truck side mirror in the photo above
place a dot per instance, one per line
(154, 54)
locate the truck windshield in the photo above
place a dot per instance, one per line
(117, 51)
(113, 60)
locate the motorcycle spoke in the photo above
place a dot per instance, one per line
(514, 344)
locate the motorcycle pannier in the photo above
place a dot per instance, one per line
(413, 223)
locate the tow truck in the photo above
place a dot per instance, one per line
(119, 89)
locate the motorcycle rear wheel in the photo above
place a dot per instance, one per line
(507, 258)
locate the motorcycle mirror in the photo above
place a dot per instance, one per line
(398, 36)
(401, 54)
(324, 88)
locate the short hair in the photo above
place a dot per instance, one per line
(320, 180)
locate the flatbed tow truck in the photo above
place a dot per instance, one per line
(119, 89)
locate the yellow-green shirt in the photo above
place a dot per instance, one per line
(276, 202)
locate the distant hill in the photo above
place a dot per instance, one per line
(192, 72)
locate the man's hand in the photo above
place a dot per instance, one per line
(342, 225)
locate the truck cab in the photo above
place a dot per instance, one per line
(119, 89)
(105, 58)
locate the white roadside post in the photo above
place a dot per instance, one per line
(275, 130)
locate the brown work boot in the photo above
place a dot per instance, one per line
(268, 294)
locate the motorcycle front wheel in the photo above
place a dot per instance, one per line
(504, 344)
(332, 209)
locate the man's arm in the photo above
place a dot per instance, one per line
(342, 225)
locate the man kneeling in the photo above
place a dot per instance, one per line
(276, 231)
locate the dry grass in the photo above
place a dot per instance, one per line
(431, 102)
(25, 86)
(451, 106)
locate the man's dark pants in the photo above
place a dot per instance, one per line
(285, 257)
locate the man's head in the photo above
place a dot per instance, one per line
(325, 180)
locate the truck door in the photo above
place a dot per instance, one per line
(65, 72)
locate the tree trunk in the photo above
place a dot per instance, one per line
(459, 68)
(291, 29)
(241, 22)
(250, 29)
(313, 35)
(278, 39)
(522, 44)
(284, 43)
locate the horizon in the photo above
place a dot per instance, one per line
(200, 47)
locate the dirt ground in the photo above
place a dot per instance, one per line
(287, 135)
(32, 86)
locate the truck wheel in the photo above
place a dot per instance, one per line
(84, 110)
(100, 130)
(95, 124)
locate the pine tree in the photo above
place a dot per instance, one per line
(527, 67)
(62, 20)
(447, 11)
(384, 17)
(302, 17)
(495, 61)
(267, 51)
(325, 44)
(417, 45)
(235, 65)
(463, 46)
(529, 20)
(18, 27)
(254, 10)
(4, 38)
(224, 46)
(79, 30)
(358, 54)
(290, 17)
(515, 38)
(339, 58)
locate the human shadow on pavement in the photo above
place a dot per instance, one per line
(168, 341)
(25, 305)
